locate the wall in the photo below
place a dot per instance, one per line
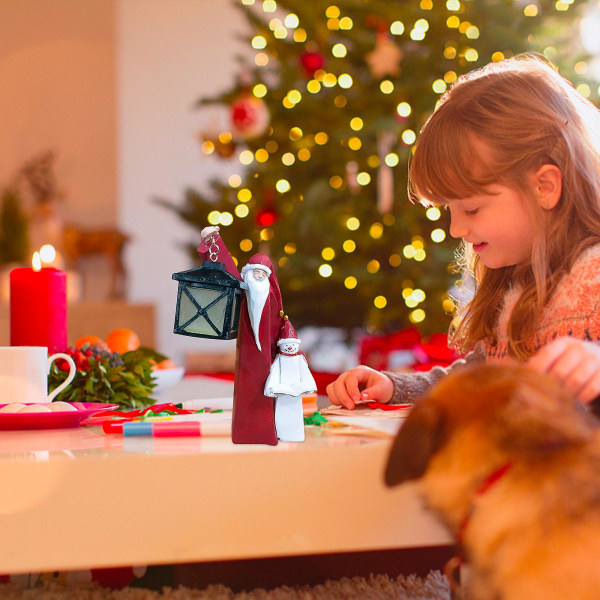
(170, 53)
(57, 68)
(110, 86)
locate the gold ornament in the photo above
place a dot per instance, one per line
(385, 58)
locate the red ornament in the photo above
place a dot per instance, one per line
(311, 62)
(249, 117)
(266, 217)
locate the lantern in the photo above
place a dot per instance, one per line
(208, 302)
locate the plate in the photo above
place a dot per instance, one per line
(166, 378)
(53, 420)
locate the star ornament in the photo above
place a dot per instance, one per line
(384, 59)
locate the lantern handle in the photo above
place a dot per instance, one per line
(213, 248)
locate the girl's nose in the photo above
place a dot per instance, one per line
(458, 227)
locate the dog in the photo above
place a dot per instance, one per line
(511, 464)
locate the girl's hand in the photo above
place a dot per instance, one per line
(575, 363)
(360, 383)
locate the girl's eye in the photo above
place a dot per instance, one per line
(473, 211)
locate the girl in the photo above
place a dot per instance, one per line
(513, 152)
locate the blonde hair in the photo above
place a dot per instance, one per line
(528, 116)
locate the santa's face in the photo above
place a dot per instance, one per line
(256, 294)
(289, 347)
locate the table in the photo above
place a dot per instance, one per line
(76, 498)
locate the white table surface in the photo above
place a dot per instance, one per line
(77, 498)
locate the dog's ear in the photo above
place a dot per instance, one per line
(536, 422)
(416, 442)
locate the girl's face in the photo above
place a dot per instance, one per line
(497, 223)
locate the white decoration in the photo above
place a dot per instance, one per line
(288, 379)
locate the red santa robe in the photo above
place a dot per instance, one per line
(253, 412)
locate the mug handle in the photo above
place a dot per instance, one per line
(70, 376)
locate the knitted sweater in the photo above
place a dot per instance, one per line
(573, 310)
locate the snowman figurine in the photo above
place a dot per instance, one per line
(288, 379)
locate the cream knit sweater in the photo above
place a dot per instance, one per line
(573, 309)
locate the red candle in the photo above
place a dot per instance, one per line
(38, 308)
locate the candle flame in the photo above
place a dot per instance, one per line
(36, 261)
(47, 254)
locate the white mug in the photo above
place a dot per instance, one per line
(24, 374)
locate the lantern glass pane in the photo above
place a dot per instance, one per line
(235, 313)
(203, 297)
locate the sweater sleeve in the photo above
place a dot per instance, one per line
(409, 386)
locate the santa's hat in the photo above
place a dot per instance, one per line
(288, 334)
(258, 261)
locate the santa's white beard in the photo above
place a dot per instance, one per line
(256, 296)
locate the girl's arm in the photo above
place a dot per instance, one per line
(364, 383)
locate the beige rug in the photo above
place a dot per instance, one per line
(375, 587)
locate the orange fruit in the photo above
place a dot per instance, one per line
(91, 340)
(165, 364)
(122, 340)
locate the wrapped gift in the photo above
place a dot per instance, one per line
(405, 350)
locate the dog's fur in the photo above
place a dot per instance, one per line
(535, 533)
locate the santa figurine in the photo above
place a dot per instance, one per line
(288, 379)
(261, 319)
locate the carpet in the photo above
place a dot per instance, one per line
(375, 587)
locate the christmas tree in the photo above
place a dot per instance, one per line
(14, 228)
(324, 113)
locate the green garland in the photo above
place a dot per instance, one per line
(124, 379)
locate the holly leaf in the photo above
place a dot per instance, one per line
(123, 379)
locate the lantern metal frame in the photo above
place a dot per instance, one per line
(210, 276)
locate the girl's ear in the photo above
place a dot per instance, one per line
(547, 181)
